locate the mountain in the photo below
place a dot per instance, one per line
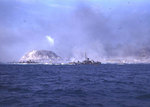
(40, 56)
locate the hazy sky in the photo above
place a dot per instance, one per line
(102, 28)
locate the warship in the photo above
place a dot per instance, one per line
(87, 61)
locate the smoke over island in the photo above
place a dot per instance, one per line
(114, 32)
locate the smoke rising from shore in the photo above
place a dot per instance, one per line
(102, 32)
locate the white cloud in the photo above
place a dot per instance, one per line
(50, 39)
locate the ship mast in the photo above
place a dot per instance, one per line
(85, 56)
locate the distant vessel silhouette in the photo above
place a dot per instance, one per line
(85, 62)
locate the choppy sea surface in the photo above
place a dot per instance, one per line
(106, 85)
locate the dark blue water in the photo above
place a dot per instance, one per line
(75, 86)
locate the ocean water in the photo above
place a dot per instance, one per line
(106, 85)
